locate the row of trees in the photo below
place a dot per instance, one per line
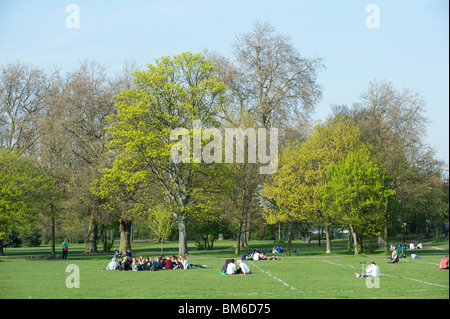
(88, 151)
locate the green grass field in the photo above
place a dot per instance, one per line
(307, 275)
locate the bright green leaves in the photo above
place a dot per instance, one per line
(23, 189)
(354, 191)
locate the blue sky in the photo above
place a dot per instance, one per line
(410, 48)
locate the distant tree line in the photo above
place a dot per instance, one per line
(85, 153)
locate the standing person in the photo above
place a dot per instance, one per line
(65, 248)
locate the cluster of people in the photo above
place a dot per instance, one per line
(135, 264)
(257, 255)
(229, 268)
(277, 249)
(399, 251)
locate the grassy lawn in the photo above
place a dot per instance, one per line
(307, 275)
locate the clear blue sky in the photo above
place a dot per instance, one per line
(410, 47)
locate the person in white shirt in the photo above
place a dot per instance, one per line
(245, 269)
(371, 271)
(184, 262)
(256, 255)
(231, 268)
(419, 246)
(411, 246)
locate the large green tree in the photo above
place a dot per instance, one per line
(354, 192)
(294, 188)
(23, 189)
(165, 100)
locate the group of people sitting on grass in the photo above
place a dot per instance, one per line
(229, 268)
(399, 252)
(135, 264)
(257, 255)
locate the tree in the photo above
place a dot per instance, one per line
(294, 188)
(269, 80)
(22, 97)
(393, 122)
(87, 100)
(165, 100)
(22, 190)
(160, 221)
(354, 192)
(270, 85)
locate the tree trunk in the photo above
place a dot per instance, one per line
(349, 240)
(289, 239)
(244, 234)
(182, 236)
(355, 241)
(125, 235)
(91, 240)
(386, 227)
(1, 247)
(53, 232)
(279, 231)
(237, 250)
(328, 237)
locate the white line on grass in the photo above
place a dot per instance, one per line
(383, 274)
(276, 278)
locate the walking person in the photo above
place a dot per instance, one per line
(65, 248)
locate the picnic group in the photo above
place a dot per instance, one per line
(230, 268)
(399, 252)
(128, 262)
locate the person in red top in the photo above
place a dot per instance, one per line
(168, 263)
(444, 263)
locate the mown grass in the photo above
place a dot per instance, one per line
(310, 274)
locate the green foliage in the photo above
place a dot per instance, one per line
(294, 187)
(23, 190)
(354, 190)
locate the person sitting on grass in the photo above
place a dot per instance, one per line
(275, 258)
(184, 262)
(158, 263)
(444, 263)
(177, 262)
(223, 271)
(125, 264)
(244, 269)
(112, 264)
(255, 255)
(394, 258)
(147, 263)
(168, 263)
(231, 267)
(371, 271)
